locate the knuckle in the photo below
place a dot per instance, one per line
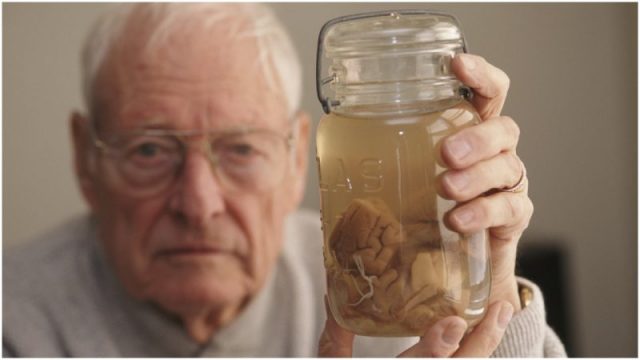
(530, 207)
(485, 178)
(514, 208)
(483, 209)
(512, 163)
(511, 128)
(506, 81)
(501, 80)
(481, 60)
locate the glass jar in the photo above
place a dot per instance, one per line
(393, 267)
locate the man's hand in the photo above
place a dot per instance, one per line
(481, 159)
(441, 340)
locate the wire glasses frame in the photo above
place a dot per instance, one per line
(148, 162)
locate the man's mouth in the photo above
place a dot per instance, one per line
(190, 251)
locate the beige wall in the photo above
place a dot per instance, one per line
(574, 75)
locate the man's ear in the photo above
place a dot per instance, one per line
(83, 157)
(301, 155)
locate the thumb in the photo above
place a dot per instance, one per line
(441, 340)
(334, 341)
(483, 340)
(490, 84)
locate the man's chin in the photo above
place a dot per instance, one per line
(200, 292)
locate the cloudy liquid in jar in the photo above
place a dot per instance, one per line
(393, 268)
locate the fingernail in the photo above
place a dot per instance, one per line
(453, 333)
(458, 181)
(468, 62)
(458, 148)
(463, 216)
(506, 313)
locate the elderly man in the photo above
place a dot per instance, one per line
(192, 159)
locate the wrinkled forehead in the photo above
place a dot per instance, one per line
(215, 63)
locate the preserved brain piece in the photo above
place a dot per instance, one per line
(385, 272)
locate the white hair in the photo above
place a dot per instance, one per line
(277, 55)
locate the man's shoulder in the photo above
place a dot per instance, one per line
(46, 255)
(46, 265)
(39, 280)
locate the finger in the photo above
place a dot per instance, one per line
(334, 341)
(483, 340)
(499, 172)
(480, 142)
(441, 340)
(507, 213)
(490, 84)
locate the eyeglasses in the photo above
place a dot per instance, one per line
(150, 161)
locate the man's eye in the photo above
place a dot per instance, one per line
(239, 153)
(151, 152)
(148, 149)
(242, 149)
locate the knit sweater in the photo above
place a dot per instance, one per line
(62, 299)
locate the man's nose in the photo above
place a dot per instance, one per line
(198, 195)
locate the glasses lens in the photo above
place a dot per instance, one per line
(253, 161)
(149, 161)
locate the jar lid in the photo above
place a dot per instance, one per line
(391, 31)
(393, 57)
